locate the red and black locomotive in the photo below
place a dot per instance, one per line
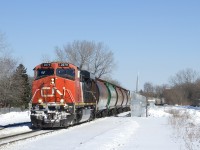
(64, 95)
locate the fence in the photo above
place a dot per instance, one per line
(7, 110)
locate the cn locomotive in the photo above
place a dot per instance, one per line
(63, 95)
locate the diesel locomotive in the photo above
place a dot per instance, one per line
(63, 95)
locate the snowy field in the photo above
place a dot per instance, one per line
(110, 133)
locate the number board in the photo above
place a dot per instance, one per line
(63, 64)
(46, 65)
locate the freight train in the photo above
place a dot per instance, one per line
(64, 95)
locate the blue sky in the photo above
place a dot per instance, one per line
(156, 38)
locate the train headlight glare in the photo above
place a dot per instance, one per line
(62, 101)
(40, 101)
(52, 81)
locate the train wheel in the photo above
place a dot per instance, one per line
(92, 116)
(111, 112)
(114, 112)
(104, 113)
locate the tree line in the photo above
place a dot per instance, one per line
(183, 88)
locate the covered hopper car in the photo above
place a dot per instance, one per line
(64, 95)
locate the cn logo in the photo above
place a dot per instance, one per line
(45, 92)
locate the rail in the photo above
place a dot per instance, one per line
(22, 136)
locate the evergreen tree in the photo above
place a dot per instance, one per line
(21, 87)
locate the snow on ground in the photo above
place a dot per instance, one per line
(157, 112)
(14, 117)
(111, 133)
(194, 112)
(153, 134)
(186, 126)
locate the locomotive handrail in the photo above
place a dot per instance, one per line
(34, 94)
(71, 96)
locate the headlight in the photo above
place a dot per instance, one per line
(52, 81)
(62, 101)
(40, 101)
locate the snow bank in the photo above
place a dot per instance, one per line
(157, 112)
(193, 112)
(14, 117)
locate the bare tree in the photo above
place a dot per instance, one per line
(103, 61)
(183, 87)
(7, 62)
(88, 55)
(148, 89)
(196, 90)
(60, 54)
(7, 67)
(183, 90)
(78, 53)
(184, 76)
(46, 58)
(158, 90)
(113, 81)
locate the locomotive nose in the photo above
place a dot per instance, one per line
(46, 90)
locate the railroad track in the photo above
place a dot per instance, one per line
(1, 128)
(9, 139)
(22, 136)
(15, 125)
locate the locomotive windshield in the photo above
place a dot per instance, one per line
(41, 73)
(68, 73)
